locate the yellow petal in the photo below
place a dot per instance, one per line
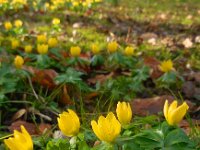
(75, 118)
(165, 110)
(178, 114)
(95, 128)
(10, 144)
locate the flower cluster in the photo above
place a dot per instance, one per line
(107, 128)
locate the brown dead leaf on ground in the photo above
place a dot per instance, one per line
(90, 96)
(44, 127)
(186, 126)
(44, 77)
(101, 78)
(153, 63)
(149, 106)
(30, 127)
(65, 98)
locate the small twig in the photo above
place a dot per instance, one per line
(29, 80)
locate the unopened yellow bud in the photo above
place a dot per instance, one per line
(18, 62)
(95, 49)
(42, 48)
(18, 23)
(28, 48)
(52, 42)
(75, 51)
(129, 51)
(8, 25)
(112, 47)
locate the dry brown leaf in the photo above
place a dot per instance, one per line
(44, 77)
(18, 114)
(30, 127)
(44, 127)
(101, 78)
(65, 98)
(153, 63)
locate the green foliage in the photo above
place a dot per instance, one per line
(165, 137)
(58, 144)
(8, 81)
(170, 80)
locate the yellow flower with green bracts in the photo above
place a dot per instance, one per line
(124, 113)
(69, 123)
(166, 66)
(52, 42)
(129, 51)
(95, 49)
(14, 43)
(42, 48)
(28, 48)
(107, 129)
(112, 47)
(18, 23)
(174, 114)
(21, 140)
(41, 39)
(56, 21)
(7, 25)
(18, 62)
(75, 51)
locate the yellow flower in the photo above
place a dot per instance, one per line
(28, 48)
(19, 2)
(42, 48)
(8, 25)
(18, 62)
(69, 123)
(166, 66)
(95, 49)
(112, 47)
(21, 140)
(124, 113)
(56, 21)
(174, 114)
(18, 23)
(52, 42)
(107, 129)
(3, 2)
(129, 51)
(14, 43)
(47, 5)
(41, 38)
(75, 51)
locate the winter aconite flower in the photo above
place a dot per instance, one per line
(52, 42)
(112, 47)
(8, 25)
(42, 48)
(166, 66)
(41, 38)
(28, 48)
(75, 51)
(69, 123)
(174, 114)
(21, 140)
(18, 62)
(18, 23)
(129, 51)
(14, 43)
(124, 113)
(107, 128)
(95, 49)
(56, 21)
